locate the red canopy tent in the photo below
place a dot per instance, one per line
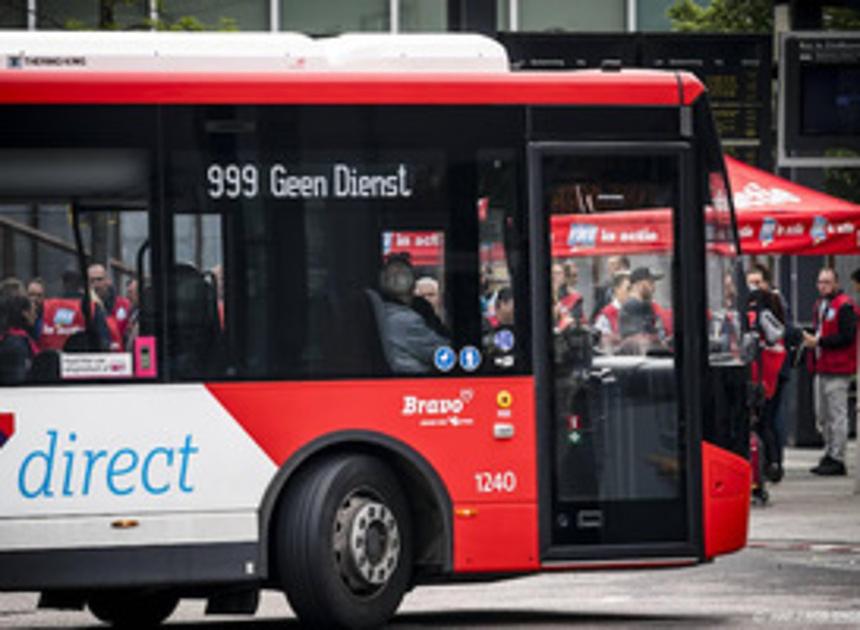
(778, 216)
(774, 215)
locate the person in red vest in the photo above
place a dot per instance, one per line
(832, 357)
(642, 323)
(117, 308)
(606, 320)
(567, 301)
(63, 317)
(766, 316)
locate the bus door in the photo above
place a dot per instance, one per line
(617, 462)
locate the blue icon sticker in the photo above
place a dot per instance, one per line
(768, 231)
(818, 232)
(504, 340)
(470, 358)
(444, 358)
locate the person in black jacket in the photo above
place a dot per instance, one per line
(17, 349)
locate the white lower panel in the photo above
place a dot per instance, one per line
(118, 530)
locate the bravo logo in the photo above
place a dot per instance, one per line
(439, 412)
(62, 468)
(413, 405)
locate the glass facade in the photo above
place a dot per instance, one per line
(13, 15)
(332, 16)
(84, 14)
(423, 16)
(336, 16)
(571, 15)
(248, 15)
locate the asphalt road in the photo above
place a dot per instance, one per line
(801, 570)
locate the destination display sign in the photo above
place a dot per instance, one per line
(735, 68)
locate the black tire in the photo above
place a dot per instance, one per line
(133, 608)
(343, 544)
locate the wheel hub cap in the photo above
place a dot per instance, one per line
(367, 543)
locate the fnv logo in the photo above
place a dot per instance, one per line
(582, 235)
(7, 427)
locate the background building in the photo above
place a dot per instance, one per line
(335, 16)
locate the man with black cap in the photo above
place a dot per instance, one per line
(640, 319)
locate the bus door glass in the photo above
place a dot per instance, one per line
(608, 357)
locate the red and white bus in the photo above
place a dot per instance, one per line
(282, 409)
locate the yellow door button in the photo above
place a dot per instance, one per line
(504, 399)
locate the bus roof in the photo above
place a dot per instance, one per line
(291, 68)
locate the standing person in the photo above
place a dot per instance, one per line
(17, 349)
(567, 301)
(607, 319)
(759, 277)
(117, 308)
(603, 293)
(36, 293)
(640, 323)
(832, 357)
(766, 316)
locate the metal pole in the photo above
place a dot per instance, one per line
(31, 15)
(631, 15)
(514, 15)
(394, 15)
(274, 15)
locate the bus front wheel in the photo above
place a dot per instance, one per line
(132, 608)
(343, 545)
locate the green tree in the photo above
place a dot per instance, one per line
(722, 16)
(108, 19)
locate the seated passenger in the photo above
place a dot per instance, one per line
(410, 337)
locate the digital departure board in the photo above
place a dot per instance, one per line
(820, 106)
(737, 70)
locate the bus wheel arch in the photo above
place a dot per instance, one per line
(428, 499)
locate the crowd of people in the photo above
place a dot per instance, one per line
(830, 349)
(33, 323)
(626, 317)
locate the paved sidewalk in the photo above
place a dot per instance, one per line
(808, 509)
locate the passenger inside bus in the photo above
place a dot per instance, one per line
(410, 330)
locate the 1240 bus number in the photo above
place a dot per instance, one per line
(495, 482)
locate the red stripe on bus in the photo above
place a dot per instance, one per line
(586, 88)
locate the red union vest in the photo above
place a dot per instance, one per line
(833, 360)
(665, 315)
(120, 314)
(62, 318)
(610, 312)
